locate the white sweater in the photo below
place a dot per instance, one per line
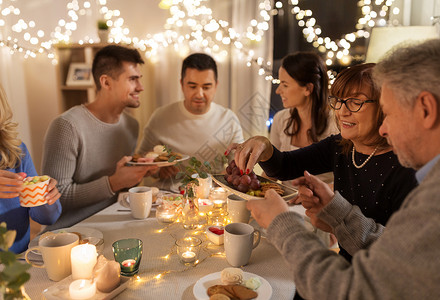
(203, 136)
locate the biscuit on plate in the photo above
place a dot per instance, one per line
(219, 297)
(243, 293)
(219, 289)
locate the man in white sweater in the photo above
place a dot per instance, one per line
(86, 148)
(195, 126)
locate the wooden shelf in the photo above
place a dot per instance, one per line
(74, 53)
(77, 87)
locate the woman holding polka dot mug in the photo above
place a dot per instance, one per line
(366, 171)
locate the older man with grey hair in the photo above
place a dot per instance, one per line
(400, 261)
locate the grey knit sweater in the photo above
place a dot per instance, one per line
(399, 262)
(80, 151)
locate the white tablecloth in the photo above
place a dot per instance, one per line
(176, 280)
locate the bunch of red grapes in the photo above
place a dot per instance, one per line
(244, 182)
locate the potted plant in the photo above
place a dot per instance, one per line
(14, 275)
(103, 31)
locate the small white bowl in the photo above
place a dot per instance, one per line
(215, 238)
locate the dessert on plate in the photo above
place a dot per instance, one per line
(160, 153)
(234, 286)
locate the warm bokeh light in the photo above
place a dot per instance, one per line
(190, 27)
(372, 15)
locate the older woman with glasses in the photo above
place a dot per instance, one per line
(366, 171)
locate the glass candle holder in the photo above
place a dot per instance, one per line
(205, 205)
(190, 215)
(166, 214)
(128, 253)
(188, 249)
(218, 197)
(218, 218)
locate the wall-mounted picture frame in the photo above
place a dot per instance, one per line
(79, 74)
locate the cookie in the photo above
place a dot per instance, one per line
(219, 289)
(266, 186)
(219, 297)
(243, 293)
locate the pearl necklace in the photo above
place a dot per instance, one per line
(368, 158)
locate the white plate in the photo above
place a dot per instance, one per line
(84, 231)
(60, 290)
(158, 163)
(202, 285)
(289, 192)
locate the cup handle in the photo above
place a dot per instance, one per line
(257, 236)
(125, 200)
(31, 262)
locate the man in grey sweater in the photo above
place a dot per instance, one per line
(402, 260)
(86, 148)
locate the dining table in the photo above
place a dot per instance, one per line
(161, 274)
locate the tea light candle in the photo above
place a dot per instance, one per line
(205, 205)
(167, 218)
(128, 265)
(218, 203)
(128, 262)
(188, 256)
(165, 214)
(83, 259)
(82, 289)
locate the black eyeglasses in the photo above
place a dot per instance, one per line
(352, 104)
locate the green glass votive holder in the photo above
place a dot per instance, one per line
(128, 253)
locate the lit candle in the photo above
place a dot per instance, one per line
(83, 259)
(168, 218)
(218, 203)
(128, 265)
(128, 262)
(205, 205)
(218, 195)
(188, 256)
(82, 289)
(165, 214)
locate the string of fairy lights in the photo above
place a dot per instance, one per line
(373, 14)
(191, 26)
(208, 250)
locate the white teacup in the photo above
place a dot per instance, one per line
(238, 213)
(55, 249)
(240, 239)
(140, 200)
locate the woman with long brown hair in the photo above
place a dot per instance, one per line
(307, 117)
(303, 90)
